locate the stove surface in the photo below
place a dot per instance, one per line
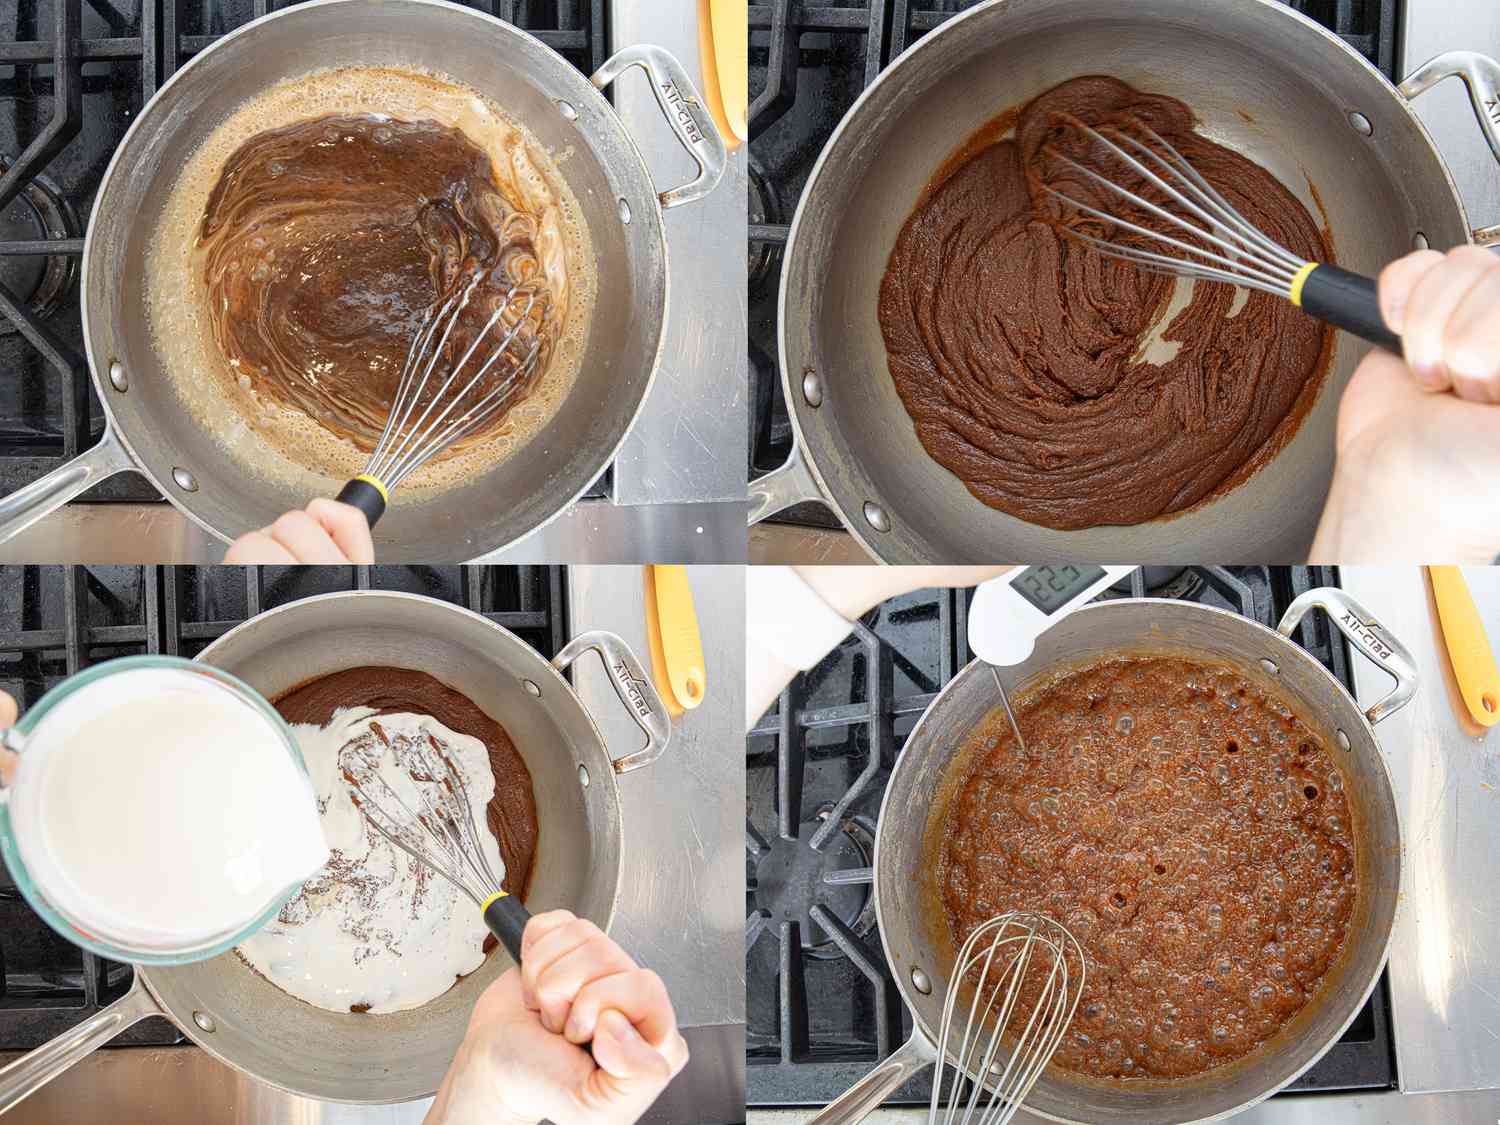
(55, 621)
(821, 1005)
(809, 62)
(73, 77)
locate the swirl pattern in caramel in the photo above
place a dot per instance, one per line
(1019, 352)
(325, 242)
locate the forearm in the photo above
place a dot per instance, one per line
(461, 1100)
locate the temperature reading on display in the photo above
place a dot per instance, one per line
(1049, 588)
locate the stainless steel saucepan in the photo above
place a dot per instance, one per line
(241, 1018)
(929, 773)
(147, 427)
(1263, 79)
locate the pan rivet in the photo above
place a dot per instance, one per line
(568, 110)
(1343, 740)
(624, 212)
(920, 982)
(812, 387)
(185, 480)
(875, 516)
(1419, 241)
(1361, 124)
(583, 776)
(205, 1021)
(531, 688)
(117, 377)
(1270, 666)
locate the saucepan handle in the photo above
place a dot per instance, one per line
(25, 506)
(683, 109)
(866, 1095)
(1481, 75)
(1367, 636)
(781, 488)
(33, 1071)
(632, 685)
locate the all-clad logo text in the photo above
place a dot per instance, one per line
(1367, 636)
(679, 106)
(632, 688)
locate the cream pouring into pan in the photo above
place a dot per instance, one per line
(245, 1021)
(917, 946)
(149, 430)
(1263, 79)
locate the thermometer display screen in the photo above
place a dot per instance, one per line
(1049, 588)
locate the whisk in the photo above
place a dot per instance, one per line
(1236, 251)
(992, 967)
(421, 426)
(441, 835)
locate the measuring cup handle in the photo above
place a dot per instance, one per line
(33, 1071)
(1367, 636)
(866, 1095)
(632, 685)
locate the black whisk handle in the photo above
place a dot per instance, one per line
(1349, 301)
(367, 494)
(507, 918)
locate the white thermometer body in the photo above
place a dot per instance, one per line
(1008, 614)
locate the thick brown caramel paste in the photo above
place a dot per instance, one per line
(390, 691)
(1190, 831)
(1018, 351)
(324, 243)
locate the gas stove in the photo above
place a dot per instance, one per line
(58, 620)
(74, 76)
(809, 62)
(821, 1005)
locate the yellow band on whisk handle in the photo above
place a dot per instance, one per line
(506, 918)
(368, 494)
(1299, 280)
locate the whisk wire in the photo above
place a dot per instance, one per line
(1017, 940)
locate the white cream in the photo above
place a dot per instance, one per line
(375, 927)
(157, 808)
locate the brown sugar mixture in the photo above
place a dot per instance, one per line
(325, 243)
(1193, 835)
(390, 691)
(1018, 351)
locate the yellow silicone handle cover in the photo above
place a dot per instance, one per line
(1468, 645)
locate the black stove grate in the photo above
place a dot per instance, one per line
(821, 1006)
(809, 61)
(57, 620)
(73, 77)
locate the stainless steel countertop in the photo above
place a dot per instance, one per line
(679, 907)
(1445, 956)
(679, 479)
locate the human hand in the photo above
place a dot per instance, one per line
(326, 532)
(526, 1055)
(8, 714)
(855, 590)
(1415, 475)
(1446, 308)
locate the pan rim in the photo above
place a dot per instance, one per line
(903, 984)
(954, 28)
(585, 90)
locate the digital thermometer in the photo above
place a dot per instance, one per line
(1008, 614)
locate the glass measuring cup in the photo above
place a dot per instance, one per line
(32, 730)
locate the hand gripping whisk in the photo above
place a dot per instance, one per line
(423, 423)
(1224, 245)
(441, 834)
(1020, 976)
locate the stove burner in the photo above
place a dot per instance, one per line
(789, 882)
(765, 208)
(38, 213)
(1161, 582)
